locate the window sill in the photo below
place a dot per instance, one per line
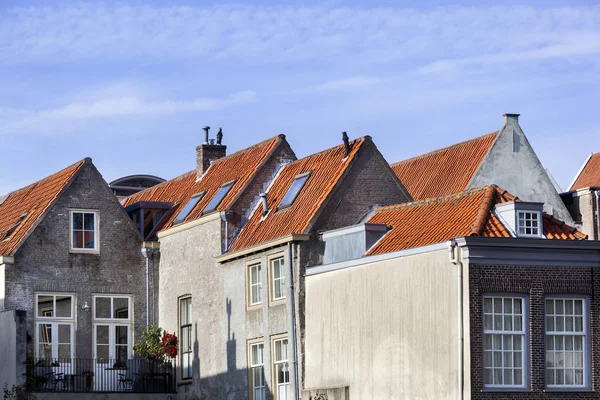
(254, 307)
(506, 390)
(278, 302)
(82, 251)
(569, 390)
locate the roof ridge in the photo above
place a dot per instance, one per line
(433, 200)
(83, 160)
(360, 139)
(280, 136)
(443, 149)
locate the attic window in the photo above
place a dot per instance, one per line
(294, 190)
(528, 223)
(188, 207)
(10, 230)
(214, 203)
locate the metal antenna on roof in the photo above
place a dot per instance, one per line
(220, 136)
(206, 128)
(346, 144)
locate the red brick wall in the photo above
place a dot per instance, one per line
(536, 283)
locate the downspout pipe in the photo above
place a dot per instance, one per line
(454, 259)
(292, 314)
(597, 191)
(147, 253)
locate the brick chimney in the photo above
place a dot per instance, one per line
(208, 152)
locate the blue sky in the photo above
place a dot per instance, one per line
(131, 84)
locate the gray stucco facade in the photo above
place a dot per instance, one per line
(46, 264)
(511, 163)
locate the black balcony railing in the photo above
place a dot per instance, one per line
(95, 375)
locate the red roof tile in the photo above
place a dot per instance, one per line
(34, 199)
(443, 171)
(589, 175)
(240, 166)
(437, 220)
(326, 167)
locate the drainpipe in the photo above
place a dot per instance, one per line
(292, 313)
(597, 191)
(452, 253)
(147, 253)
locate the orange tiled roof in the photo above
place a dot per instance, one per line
(240, 166)
(468, 213)
(34, 200)
(327, 168)
(589, 175)
(443, 171)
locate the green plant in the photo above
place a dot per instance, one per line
(149, 346)
(17, 392)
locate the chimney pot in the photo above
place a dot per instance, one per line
(206, 129)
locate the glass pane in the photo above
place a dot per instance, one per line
(63, 306)
(578, 343)
(498, 306)
(186, 341)
(569, 324)
(549, 377)
(45, 306)
(498, 322)
(185, 311)
(560, 377)
(89, 239)
(293, 191)
(508, 359)
(559, 343)
(64, 351)
(487, 342)
(214, 203)
(77, 221)
(578, 324)
(102, 334)
(102, 307)
(518, 323)
(122, 353)
(550, 324)
(508, 323)
(508, 377)
(578, 360)
(88, 222)
(122, 335)
(102, 352)
(579, 377)
(121, 306)
(517, 306)
(559, 307)
(549, 359)
(45, 333)
(78, 239)
(518, 377)
(579, 307)
(487, 359)
(487, 305)
(507, 306)
(487, 376)
(188, 207)
(497, 342)
(549, 306)
(569, 307)
(488, 323)
(45, 351)
(518, 359)
(64, 333)
(560, 324)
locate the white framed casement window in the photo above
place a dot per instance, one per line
(55, 321)
(529, 223)
(504, 342)
(277, 289)
(84, 231)
(281, 367)
(258, 390)
(567, 343)
(254, 284)
(112, 322)
(185, 334)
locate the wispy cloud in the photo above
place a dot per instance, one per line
(259, 34)
(337, 85)
(23, 120)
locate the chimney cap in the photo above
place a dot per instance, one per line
(511, 116)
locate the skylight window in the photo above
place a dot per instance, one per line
(10, 230)
(188, 207)
(294, 190)
(214, 203)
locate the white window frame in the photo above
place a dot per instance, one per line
(256, 392)
(112, 323)
(564, 334)
(277, 281)
(96, 248)
(279, 386)
(181, 336)
(251, 302)
(502, 335)
(538, 219)
(54, 322)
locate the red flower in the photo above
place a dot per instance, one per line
(169, 344)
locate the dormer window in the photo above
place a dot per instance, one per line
(214, 203)
(528, 223)
(522, 218)
(294, 190)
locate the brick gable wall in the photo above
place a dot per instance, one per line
(536, 283)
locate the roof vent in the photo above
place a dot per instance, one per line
(10, 230)
(346, 143)
(263, 200)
